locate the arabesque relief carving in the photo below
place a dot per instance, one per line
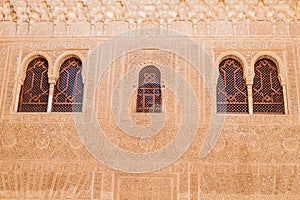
(136, 13)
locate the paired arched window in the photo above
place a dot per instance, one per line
(149, 90)
(35, 90)
(267, 91)
(232, 94)
(68, 91)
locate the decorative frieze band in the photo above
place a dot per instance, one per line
(62, 14)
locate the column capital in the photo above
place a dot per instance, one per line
(52, 80)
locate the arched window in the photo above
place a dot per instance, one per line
(149, 90)
(35, 90)
(68, 91)
(232, 94)
(267, 91)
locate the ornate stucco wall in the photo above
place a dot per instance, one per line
(235, 156)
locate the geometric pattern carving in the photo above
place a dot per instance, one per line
(47, 185)
(152, 187)
(232, 96)
(167, 12)
(149, 91)
(267, 91)
(35, 90)
(68, 91)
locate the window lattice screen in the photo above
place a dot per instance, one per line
(35, 90)
(267, 91)
(149, 91)
(68, 91)
(232, 94)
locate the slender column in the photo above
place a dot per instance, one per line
(274, 28)
(18, 95)
(29, 28)
(163, 96)
(248, 27)
(208, 28)
(52, 82)
(92, 30)
(234, 28)
(288, 28)
(168, 26)
(194, 28)
(161, 24)
(250, 99)
(105, 28)
(284, 99)
(68, 28)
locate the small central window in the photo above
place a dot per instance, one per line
(149, 90)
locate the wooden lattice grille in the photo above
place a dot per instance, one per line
(149, 90)
(35, 90)
(267, 91)
(68, 91)
(232, 94)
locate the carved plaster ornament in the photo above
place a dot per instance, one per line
(212, 14)
(109, 15)
(76, 13)
(182, 9)
(233, 2)
(192, 15)
(240, 11)
(232, 14)
(34, 16)
(8, 11)
(269, 14)
(270, 2)
(1, 14)
(119, 10)
(59, 12)
(221, 10)
(40, 13)
(95, 14)
(132, 13)
(212, 2)
(251, 2)
(166, 14)
(80, 9)
(283, 11)
(199, 12)
(203, 10)
(71, 17)
(114, 12)
(22, 12)
(280, 12)
(260, 11)
(237, 12)
(44, 9)
(297, 11)
(150, 12)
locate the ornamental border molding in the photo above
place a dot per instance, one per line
(137, 12)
